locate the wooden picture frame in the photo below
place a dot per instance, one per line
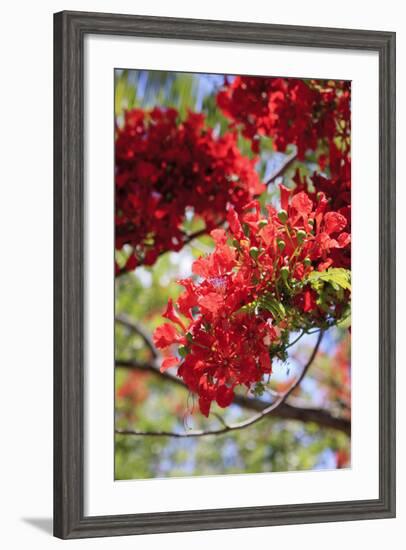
(70, 29)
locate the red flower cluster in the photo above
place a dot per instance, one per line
(164, 166)
(337, 191)
(313, 115)
(289, 110)
(258, 286)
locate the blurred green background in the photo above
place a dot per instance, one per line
(146, 401)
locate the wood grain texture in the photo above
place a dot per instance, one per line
(69, 31)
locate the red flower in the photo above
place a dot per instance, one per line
(302, 204)
(163, 167)
(169, 362)
(249, 295)
(290, 111)
(170, 313)
(166, 335)
(334, 222)
(224, 396)
(309, 301)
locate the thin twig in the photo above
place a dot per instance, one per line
(139, 330)
(221, 420)
(239, 426)
(149, 367)
(285, 411)
(195, 235)
(279, 172)
(296, 340)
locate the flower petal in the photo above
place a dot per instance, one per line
(169, 362)
(302, 204)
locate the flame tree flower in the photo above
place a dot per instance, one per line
(163, 166)
(269, 275)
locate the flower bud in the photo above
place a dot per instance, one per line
(283, 216)
(300, 235)
(307, 261)
(285, 272)
(254, 252)
(281, 244)
(262, 223)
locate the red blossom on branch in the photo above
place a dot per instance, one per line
(272, 272)
(311, 114)
(266, 278)
(163, 167)
(290, 111)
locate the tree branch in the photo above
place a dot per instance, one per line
(152, 368)
(279, 172)
(279, 407)
(196, 234)
(286, 411)
(139, 331)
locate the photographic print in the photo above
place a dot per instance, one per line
(232, 274)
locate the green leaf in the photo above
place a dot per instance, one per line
(345, 321)
(183, 351)
(337, 277)
(248, 308)
(259, 389)
(273, 306)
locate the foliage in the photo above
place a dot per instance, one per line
(275, 268)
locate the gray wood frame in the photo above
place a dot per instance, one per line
(69, 31)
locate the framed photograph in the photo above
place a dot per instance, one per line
(224, 274)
